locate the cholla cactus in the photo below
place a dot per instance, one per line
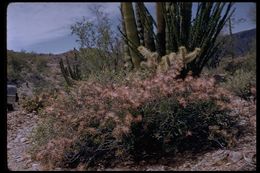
(174, 60)
(152, 57)
(187, 58)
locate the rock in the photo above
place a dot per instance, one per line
(35, 167)
(235, 156)
(18, 136)
(156, 168)
(9, 146)
(20, 159)
(28, 162)
(17, 157)
(117, 169)
(242, 123)
(27, 142)
(23, 140)
(128, 163)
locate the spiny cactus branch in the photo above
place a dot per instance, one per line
(168, 60)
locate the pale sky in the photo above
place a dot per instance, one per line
(45, 27)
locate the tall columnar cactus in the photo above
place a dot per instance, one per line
(71, 71)
(139, 22)
(65, 73)
(147, 22)
(208, 22)
(169, 16)
(131, 32)
(185, 21)
(127, 56)
(180, 31)
(160, 29)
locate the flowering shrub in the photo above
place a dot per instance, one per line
(169, 125)
(111, 121)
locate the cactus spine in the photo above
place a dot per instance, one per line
(168, 60)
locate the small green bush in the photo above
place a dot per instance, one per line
(167, 127)
(240, 83)
(33, 104)
(250, 64)
(44, 132)
(17, 66)
(96, 145)
(41, 64)
(240, 74)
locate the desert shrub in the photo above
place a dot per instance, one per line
(240, 83)
(41, 85)
(12, 74)
(250, 63)
(241, 79)
(105, 120)
(100, 47)
(96, 145)
(17, 66)
(108, 76)
(237, 75)
(41, 63)
(155, 129)
(31, 105)
(34, 104)
(57, 148)
(45, 131)
(233, 65)
(168, 127)
(26, 67)
(120, 77)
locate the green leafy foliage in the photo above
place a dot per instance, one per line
(100, 48)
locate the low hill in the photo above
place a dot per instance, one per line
(242, 42)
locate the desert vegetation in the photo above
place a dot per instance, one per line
(139, 95)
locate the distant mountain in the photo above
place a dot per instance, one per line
(242, 42)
